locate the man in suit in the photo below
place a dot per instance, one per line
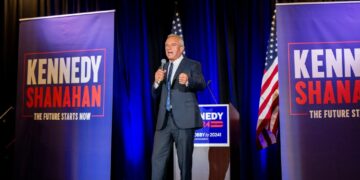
(179, 115)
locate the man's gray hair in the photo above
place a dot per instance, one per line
(181, 40)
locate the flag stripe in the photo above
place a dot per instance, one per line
(274, 124)
(270, 89)
(271, 75)
(268, 105)
(265, 122)
(270, 71)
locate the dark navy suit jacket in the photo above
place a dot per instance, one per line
(185, 109)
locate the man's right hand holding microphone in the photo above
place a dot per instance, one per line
(160, 75)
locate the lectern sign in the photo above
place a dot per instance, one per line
(215, 131)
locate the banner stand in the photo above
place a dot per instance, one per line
(64, 97)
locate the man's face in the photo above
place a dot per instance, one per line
(173, 48)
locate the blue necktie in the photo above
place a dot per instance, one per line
(168, 85)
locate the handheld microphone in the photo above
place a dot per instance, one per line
(212, 95)
(163, 62)
(162, 67)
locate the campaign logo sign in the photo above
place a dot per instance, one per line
(324, 79)
(57, 81)
(65, 72)
(215, 131)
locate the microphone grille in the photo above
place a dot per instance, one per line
(163, 61)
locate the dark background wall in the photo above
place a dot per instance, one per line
(228, 37)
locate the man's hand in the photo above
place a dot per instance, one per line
(159, 75)
(183, 78)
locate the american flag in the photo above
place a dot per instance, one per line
(268, 120)
(176, 26)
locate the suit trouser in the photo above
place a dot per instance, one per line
(163, 142)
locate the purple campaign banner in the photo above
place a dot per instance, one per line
(319, 78)
(215, 131)
(64, 97)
